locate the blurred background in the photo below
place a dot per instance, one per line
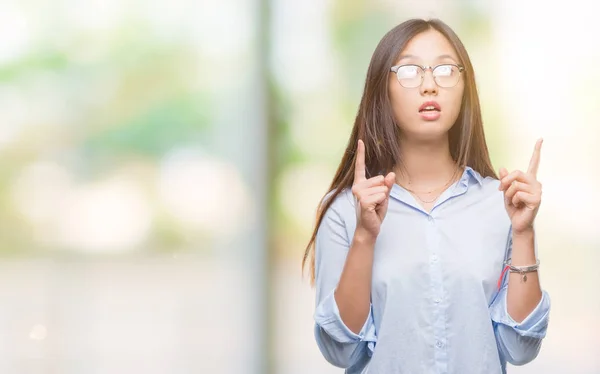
(161, 163)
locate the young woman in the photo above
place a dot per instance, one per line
(424, 261)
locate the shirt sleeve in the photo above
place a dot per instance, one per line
(338, 344)
(519, 343)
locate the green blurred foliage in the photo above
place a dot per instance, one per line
(129, 97)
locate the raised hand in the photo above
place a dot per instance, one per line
(371, 195)
(522, 193)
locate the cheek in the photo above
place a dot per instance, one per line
(400, 100)
(456, 100)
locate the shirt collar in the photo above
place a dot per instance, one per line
(470, 173)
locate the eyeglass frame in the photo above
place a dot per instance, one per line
(394, 69)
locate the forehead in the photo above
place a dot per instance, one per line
(428, 46)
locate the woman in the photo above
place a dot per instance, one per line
(425, 262)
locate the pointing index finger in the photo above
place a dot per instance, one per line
(535, 158)
(359, 167)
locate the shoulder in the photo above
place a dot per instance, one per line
(486, 185)
(340, 216)
(342, 209)
(490, 185)
(342, 204)
(484, 190)
(486, 205)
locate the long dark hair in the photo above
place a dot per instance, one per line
(376, 126)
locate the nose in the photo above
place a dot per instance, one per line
(428, 86)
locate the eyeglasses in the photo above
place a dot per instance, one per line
(411, 76)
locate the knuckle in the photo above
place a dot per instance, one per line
(359, 199)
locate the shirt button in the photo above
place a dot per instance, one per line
(439, 344)
(434, 258)
(437, 300)
(429, 218)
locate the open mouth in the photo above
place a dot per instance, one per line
(429, 108)
(430, 111)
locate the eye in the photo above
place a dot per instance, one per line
(408, 71)
(444, 70)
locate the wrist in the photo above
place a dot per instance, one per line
(364, 236)
(525, 233)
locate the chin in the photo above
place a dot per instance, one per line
(427, 131)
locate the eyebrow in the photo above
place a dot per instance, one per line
(440, 57)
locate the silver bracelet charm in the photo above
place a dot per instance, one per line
(523, 270)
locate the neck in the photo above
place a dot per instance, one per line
(425, 165)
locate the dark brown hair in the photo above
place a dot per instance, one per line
(376, 126)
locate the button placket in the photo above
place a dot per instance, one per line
(436, 290)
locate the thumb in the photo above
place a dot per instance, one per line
(503, 172)
(389, 181)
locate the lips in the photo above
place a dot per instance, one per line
(430, 106)
(430, 111)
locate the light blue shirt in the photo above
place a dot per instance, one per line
(435, 303)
